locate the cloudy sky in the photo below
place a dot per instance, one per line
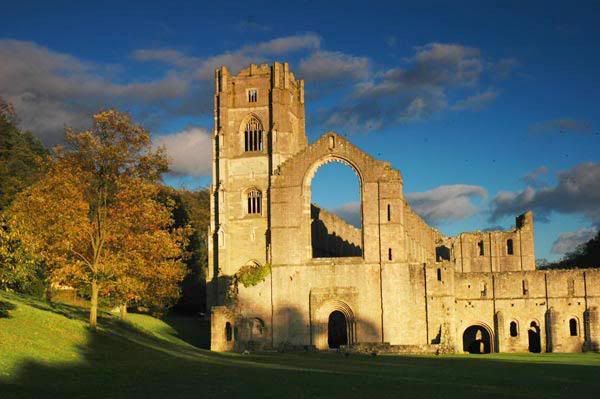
(486, 110)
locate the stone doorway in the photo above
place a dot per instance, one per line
(477, 340)
(337, 330)
(535, 342)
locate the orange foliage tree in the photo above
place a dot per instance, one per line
(96, 220)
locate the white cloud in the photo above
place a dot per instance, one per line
(533, 178)
(577, 192)
(476, 102)
(350, 212)
(333, 65)
(563, 125)
(189, 151)
(50, 89)
(568, 242)
(415, 90)
(446, 203)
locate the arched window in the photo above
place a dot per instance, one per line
(228, 332)
(514, 329)
(509, 247)
(253, 135)
(573, 327)
(254, 202)
(481, 250)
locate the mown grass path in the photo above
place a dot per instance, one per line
(48, 352)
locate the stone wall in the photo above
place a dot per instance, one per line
(332, 236)
(398, 282)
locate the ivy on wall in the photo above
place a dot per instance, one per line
(251, 275)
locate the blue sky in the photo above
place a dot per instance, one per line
(486, 110)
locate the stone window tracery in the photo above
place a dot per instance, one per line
(252, 95)
(253, 136)
(254, 202)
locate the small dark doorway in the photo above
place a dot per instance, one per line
(476, 339)
(337, 330)
(228, 331)
(535, 343)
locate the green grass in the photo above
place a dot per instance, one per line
(48, 352)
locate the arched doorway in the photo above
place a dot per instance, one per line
(535, 342)
(477, 340)
(333, 324)
(337, 330)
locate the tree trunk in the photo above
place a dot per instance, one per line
(123, 310)
(94, 305)
(48, 291)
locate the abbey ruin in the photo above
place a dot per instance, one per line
(284, 273)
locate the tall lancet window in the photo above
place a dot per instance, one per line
(253, 136)
(254, 202)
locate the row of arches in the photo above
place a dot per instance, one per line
(479, 338)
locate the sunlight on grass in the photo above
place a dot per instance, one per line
(48, 350)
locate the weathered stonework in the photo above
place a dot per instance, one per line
(397, 283)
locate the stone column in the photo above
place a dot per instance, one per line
(592, 329)
(551, 330)
(499, 331)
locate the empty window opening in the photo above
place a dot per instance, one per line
(252, 95)
(439, 274)
(389, 253)
(254, 202)
(514, 329)
(573, 327)
(389, 213)
(525, 287)
(442, 253)
(509, 247)
(535, 342)
(480, 247)
(228, 332)
(336, 211)
(483, 290)
(253, 136)
(477, 339)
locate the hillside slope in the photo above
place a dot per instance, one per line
(47, 351)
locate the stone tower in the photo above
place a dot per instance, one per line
(258, 124)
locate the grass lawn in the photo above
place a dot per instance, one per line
(48, 352)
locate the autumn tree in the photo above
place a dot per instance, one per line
(18, 267)
(96, 220)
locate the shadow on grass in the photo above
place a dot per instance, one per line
(192, 329)
(124, 361)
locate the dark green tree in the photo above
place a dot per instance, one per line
(193, 208)
(586, 255)
(21, 157)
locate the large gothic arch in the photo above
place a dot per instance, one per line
(380, 185)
